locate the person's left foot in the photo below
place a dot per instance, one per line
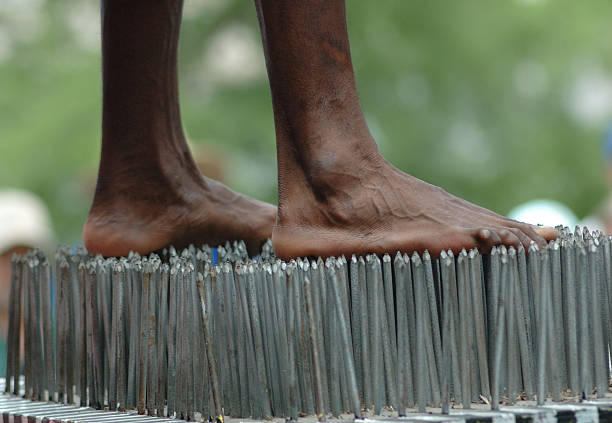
(368, 206)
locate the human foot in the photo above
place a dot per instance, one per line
(146, 217)
(372, 207)
(337, 195)
(150, 192)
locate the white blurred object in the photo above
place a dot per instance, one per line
(24, 221)
(594, 223)
(544, 212)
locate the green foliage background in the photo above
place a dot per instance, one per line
(499, 102)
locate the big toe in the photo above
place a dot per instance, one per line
(546, 232)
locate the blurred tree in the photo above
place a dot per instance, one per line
(498, 102)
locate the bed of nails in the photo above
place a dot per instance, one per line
(209, 332)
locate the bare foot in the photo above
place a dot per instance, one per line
(373, 207)
(142, 216)
(337, 195)
(150, 192)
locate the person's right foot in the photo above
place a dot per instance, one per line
(150, 193)
(142, 215)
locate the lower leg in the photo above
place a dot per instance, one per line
(150, 192)
(337, 194)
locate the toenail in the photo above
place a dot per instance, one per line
(485, 233)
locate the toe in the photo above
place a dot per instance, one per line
(539, 237)
(546, 232)
(526, 240)
(487, 239)
(525, 229)
(508, 237)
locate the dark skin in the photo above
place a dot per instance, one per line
(150, 192)
(337, 194)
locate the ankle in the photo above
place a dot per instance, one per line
(329, 190)
(146, 179)
(330, 169)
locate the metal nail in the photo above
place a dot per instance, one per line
(419, 294)
(314, 341)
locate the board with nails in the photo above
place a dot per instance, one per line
(15, 409)
(211, 332)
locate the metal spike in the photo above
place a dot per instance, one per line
(455, 332)
(208, 342)
(499, 333)
(314, 342)
(373, 306)
(559, 376)
(447, 339)
(345, 340)
(583, 324)
(280, 299)
(172, 340)
(523, 313)
(47, 323)
(291, 289)
(542, 322)
(492, 290)
(356, 323)
(478, 308)
(405, 388)
(364, 335)
(512, 355)
(465, 328)
(387, 330)
(61, 325)
(433, 327)
(419, 294)
(596, 340)
(14, 332)
(569, 292)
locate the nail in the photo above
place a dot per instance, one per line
(388, 348)
(345, 339)
(568, 280)
(421, 377)
(499, 334)
(433, 323)
(113, 362)
(153, 342)
(143, 336)
(314, 342)
(119, 296)
(208, 341)
(356, 323)
(47, 322)
(583, 324)
(513, 321)
(61, 325)
(478, 308)
(291, 288)
(405, 387)
(14, 333)
(258, 343)
(172, 340)
(524, 322)
(542, 322)
(596, 338)
(492, 290)
(278, 276)
(464, 341)
(446, 263)
(560, 381)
